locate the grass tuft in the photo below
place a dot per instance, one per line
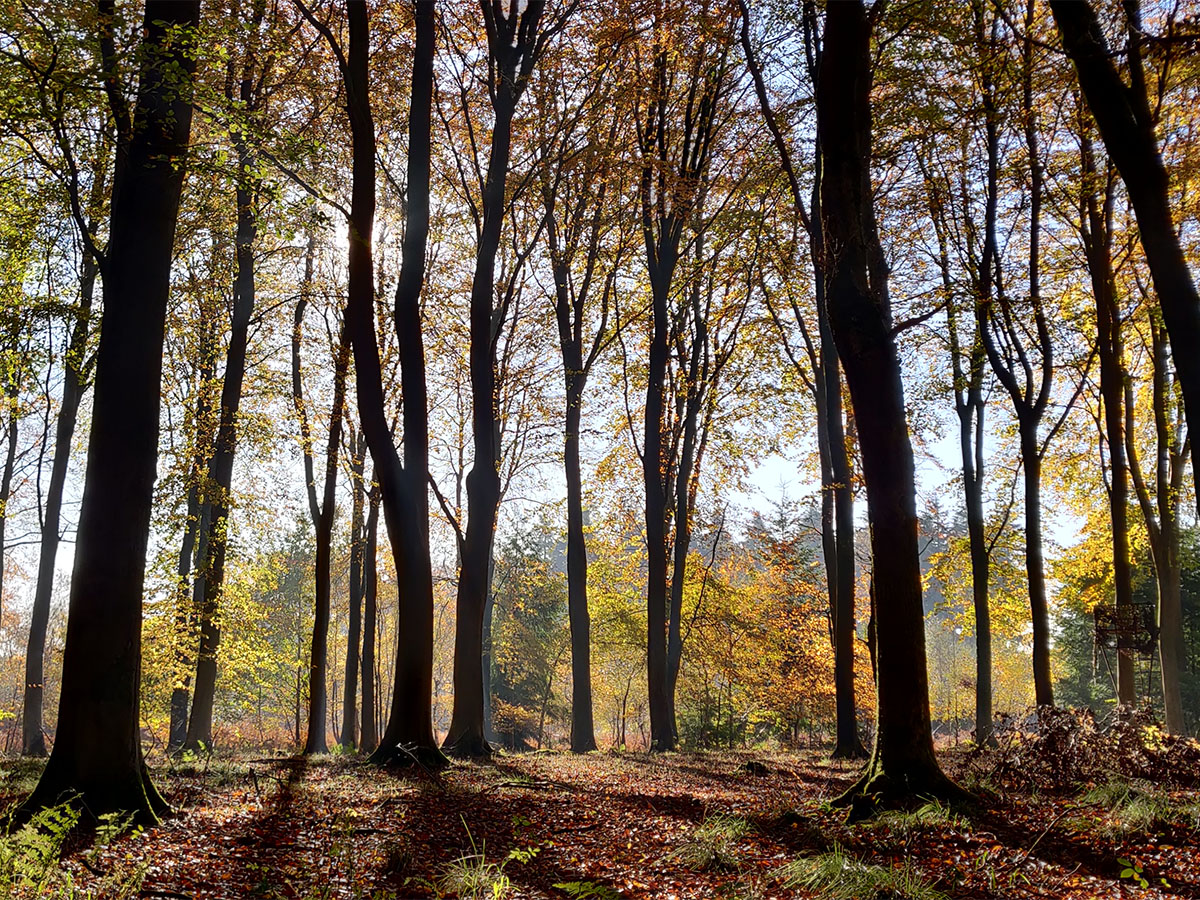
(713, 844)
(836, 875)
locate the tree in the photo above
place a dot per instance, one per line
(1127, 126)
(676, 124)
(516, 39)
(98, 752)
(825, 384)
(902, 761)
(215, 492)
(577, 183)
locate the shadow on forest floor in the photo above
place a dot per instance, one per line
(634, 826)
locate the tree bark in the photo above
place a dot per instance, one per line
(1096, 232)
(903, 761)
(98, 754)
(403, 492)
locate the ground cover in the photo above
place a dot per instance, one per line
(607, 825)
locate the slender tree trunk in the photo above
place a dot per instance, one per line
(354, 628)
(97, 753)
(512, 41)
(33, 742)
(1035, 567)
(583, 735)
(370, 590)
(1096, 232)
(315, 742)
(217, 486)
(403, 491)
(12, 432)
(903, 762)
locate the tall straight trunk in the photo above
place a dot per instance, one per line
(1096, 231)
(1035, 567)
(513, 43)
(403, 491)
(33, 742)
(11, 434)
(354, 628)
(583, 733)
(97, 754)
(218, 482)
(903, 761)
(1161, 515)
(186, 603)
(969, 407)
(370, 591)
(837, 494)
(315, 741)
(654, 466)
(1128, 127)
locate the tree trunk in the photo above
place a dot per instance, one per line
(1127, 126)
(903, 761)
(370, 589)
(33, 742)
(318, 659)
(1096, 231)
(354, 629)
(583, 734)
(217, 486)
(97, 754)
(403, 491)
(512, 45)
(1039, 610)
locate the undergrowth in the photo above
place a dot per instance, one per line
(836, 875)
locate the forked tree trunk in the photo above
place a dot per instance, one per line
(902, 762)
(403, 492)
(97, 754)
(513, 43)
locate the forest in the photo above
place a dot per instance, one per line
(560, 449)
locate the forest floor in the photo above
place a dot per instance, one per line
(607, 825)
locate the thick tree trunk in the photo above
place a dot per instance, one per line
(33, 742)
(354, 629)
(654, 465)
(1127, 127)
(903, 761)
(370, 590)
(97, 754)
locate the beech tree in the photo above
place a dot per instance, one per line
(902, 761)
(97, 753)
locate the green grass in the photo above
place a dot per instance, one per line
(713, 844)
(837, 875)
